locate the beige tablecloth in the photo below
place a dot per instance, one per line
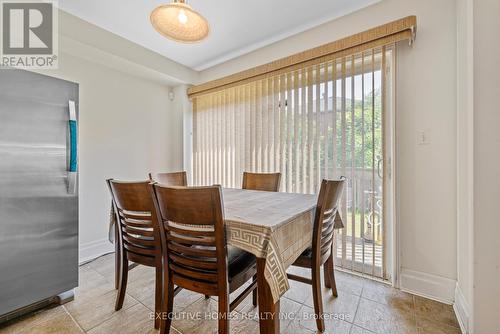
(274, 226)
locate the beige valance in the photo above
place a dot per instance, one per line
(399, 30)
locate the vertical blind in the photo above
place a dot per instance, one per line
(320, 121)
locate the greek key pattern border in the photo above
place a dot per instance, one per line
(260, 243)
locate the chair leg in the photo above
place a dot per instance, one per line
(158, 295)
(317, 298)
(123, 282)
(167, 305)
(334, 284)
(254, 292)
(224, 313)
(329, 274)
(118, 257)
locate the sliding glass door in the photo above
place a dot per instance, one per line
(362, 103)
(326, 120)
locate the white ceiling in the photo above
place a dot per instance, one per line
(237, 26)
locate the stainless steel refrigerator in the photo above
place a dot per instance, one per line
(38, 189)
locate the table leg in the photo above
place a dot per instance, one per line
(268, 310)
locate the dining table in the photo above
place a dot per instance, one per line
(276, 227)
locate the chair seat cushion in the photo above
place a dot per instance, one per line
(239, 261)
(307, 253)
(242, 266)
(305, 259)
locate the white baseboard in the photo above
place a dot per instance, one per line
(461, 308)
(94, 249)
(429, 286)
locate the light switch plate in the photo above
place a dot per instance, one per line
(423, 138)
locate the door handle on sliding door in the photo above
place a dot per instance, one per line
(73, 148)
(379, 170)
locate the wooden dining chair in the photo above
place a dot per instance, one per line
(321, 251)
(261, 181)
(194, 242)
(138, 235)
(170, 179)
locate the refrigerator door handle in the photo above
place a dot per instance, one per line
(73, 148)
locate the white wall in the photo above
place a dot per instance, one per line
(426, 100)
(465, 165)
(128, 126)
(486, 257)
(183, 104)
(77, 36)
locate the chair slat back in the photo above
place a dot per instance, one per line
(138, 233)
(170, 179)
(192, 222)
(261, 181)
(326, 211)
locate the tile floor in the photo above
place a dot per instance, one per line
(363, 307)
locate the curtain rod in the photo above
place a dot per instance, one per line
(398, 30)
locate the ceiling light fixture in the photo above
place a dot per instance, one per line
(178, 21)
